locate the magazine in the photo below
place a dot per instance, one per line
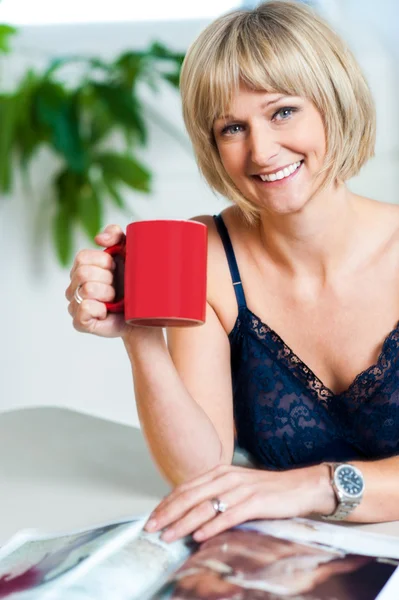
(299, 559)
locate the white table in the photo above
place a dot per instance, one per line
(61, 470)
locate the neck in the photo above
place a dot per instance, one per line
(315, 241)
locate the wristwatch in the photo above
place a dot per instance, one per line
(348, 484)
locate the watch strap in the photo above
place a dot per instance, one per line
(344, 505)
(342, 511)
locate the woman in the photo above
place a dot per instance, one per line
(280, 118)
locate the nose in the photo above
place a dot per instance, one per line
(263, 146)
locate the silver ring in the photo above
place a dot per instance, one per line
(218, 506)
(77, 295)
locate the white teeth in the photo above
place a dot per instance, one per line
(281, 174)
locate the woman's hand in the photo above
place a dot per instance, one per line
(93, 272)
(247, 494)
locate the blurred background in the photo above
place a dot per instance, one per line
(91, 133)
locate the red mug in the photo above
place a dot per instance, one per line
(165, 273)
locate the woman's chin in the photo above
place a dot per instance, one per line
(283, 206)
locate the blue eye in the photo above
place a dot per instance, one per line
(286, 112)
(232, 129)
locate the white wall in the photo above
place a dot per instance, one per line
(43, 360)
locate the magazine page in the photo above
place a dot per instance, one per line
(296, 559)
(349, 538)
(116, 560)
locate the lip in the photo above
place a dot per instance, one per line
(278, 182)
(279, 168)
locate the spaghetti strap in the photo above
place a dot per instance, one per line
(231, 259)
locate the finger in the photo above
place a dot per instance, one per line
(87, 273)
(260, 504)
(112, 234)
(184, 490)
(193, 483)
(93, 290)
(91, 316)
(200, 481)
(203, 513)
(95, 258)
(234, 515)
(167, 513)
(88, 314)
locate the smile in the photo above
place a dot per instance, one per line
(282, 174)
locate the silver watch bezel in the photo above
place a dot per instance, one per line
(336, 470)
(346, 503)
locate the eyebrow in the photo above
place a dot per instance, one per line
(263, 106)
(266, 104)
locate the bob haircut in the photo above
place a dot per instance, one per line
(281, 47)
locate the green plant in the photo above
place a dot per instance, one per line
(76, 122)
(6, 31)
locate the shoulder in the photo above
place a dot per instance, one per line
(219, 279)
(215, 245)
(392, 228)
(233, 218)
(385, 217)
(381, 229)
(236, 225)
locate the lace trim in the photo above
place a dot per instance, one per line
(366, 382)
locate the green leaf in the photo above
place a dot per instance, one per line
(8, 113)
(56, 64)
(96, 118)
(129, 66)
(124, 168)
(90, 210)
(173, 78)
(59, 62)
(173, 60)
(68, 185)
(62, 233)
(100, 125)
(114, 193)
(158, 50)
(58, 110)
(6, 31)
(124, 107)
(28, 133)
(45, 112)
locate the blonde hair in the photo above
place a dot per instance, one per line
(280, 46)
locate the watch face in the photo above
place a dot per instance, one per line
(349, 480)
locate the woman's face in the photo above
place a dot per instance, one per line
(267, 134)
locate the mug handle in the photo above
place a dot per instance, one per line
(116, 250)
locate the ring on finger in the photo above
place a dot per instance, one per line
(218, 506)
(77, 295)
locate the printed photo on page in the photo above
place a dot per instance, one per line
(247, 564)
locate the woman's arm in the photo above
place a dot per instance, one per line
(183, 391)
(183, 395)
(249, 494)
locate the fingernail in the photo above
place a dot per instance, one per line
(105, 235)
(151, 525)
(168, 535)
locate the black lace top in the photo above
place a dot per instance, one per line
(285, 416)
